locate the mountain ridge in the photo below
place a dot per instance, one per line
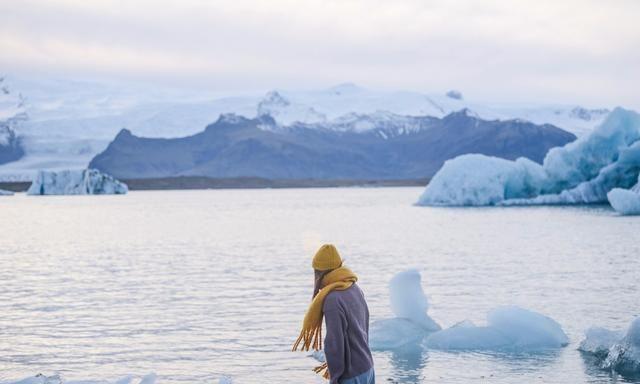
(70, 122)
(237, 146)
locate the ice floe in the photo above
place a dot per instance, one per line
(58, 379)
(508, 328)
(583, 171)
(410, 305)
(626, 201)
(599, 340)
(615, 351)
(76, 182)
(5, 193)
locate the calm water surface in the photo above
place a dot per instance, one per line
(196, 284)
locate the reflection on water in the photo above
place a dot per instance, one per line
(596, 374)
(407, 364)
(197, 284)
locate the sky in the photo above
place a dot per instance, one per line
(573, 51)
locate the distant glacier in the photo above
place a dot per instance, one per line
(72, 121)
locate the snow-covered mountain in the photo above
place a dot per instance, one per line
(343, 100)
(361, 148)
(12, 115)
(71, 121)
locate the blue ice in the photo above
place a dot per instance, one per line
(508, 328)
(583, 171)
(615, 351)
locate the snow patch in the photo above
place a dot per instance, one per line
(285, 112)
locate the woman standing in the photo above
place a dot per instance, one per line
(338, 299)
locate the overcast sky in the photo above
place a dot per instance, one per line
(574, 51)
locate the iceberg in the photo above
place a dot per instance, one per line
(626, 202)
(408, 300)
(599, 340)
(58, 379)
(508, 328)
(41, 379)
(395, 333)
(581, 172)
(410, 305)
(81, 182)
(615, 351)
(467, 336)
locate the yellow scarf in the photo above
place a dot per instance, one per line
(311, 335)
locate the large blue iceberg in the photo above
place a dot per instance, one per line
(581, 172)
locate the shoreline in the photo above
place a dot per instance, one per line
(200, 182)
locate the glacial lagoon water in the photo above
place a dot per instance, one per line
(193, 285)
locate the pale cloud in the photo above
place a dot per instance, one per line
(529, 50)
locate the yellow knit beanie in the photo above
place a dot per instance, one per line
(327, 258)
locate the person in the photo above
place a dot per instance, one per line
(338, 299)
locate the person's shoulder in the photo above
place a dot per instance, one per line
(332, 300)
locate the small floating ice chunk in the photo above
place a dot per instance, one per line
(80, 182)
(149, 379)
(41, 379)
(225, 380)
(626, 202)
(508, 328)
(410, 305)
(528, 329)
(318, 355)
(408, 300)
(466, 336)
(599, 340)
(5, 193)
(394, 333)
(125, 380)
(624, 356)
(57, 379)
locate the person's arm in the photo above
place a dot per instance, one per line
(334, 342)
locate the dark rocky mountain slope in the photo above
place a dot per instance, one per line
(392, 147)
